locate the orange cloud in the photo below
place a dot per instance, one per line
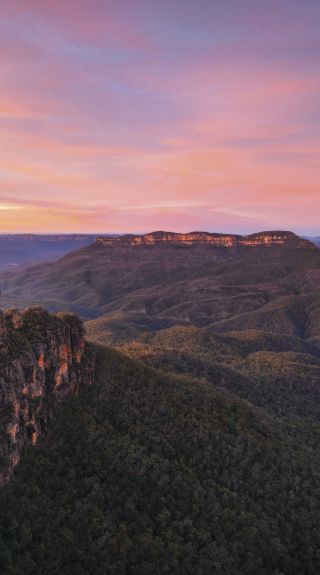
(129, 120)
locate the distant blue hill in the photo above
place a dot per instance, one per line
(20, 249)
(315, 240)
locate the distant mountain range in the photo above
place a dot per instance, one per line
(24, 249)
(315, 240)
(170, 279)
(269, 238)
(21, 249)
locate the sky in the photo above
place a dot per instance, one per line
(140, 115)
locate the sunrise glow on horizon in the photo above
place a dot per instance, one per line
(137, 115)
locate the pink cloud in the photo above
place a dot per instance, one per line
(91, 21)
(109, 105)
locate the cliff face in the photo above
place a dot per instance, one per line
(43, 358)
(274, 238)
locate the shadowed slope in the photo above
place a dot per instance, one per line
(149, 473)
(277, 372)
(197, 285)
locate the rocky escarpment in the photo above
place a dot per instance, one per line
(43, 358)
(273, 238)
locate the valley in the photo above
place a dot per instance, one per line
(183, 435)
(159, 287)
(22, 249)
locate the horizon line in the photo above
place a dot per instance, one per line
(79, 233)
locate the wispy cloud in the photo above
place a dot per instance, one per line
(132, 115)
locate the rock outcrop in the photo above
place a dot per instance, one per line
(43, 358)
(263, 239)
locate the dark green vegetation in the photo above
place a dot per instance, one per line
(199, 453)
(279, 373)
(145, 473)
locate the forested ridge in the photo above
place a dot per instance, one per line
(279, 373)
(146, 472)
(196, 449)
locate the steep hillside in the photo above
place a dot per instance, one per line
(145, 473)
(43, 358)
(297, 315)
(279, 373)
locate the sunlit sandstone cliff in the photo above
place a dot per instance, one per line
(273, 238)
(43, 358)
